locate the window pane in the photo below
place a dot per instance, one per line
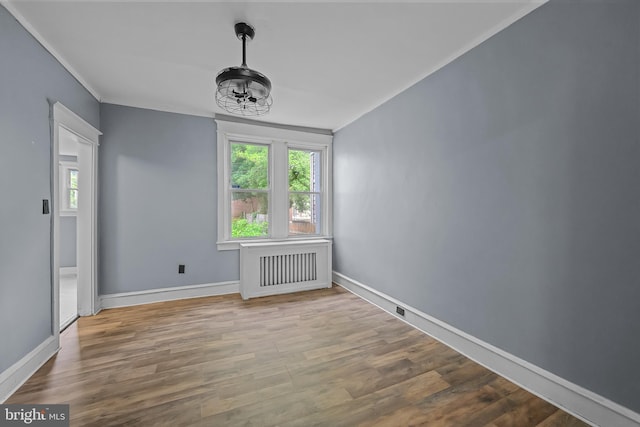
(249, 166)
(73, 178)
(304, 170)
(73, 199)
(249, 214)
(304, 213)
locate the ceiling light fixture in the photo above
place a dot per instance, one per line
(241, 90)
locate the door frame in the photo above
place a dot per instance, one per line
(87, 219)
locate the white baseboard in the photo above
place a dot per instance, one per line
(18, 373)
(578, 401)
(68, 271)
(168, 294)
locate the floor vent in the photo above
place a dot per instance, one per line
(282, 267)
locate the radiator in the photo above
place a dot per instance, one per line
(280, 267)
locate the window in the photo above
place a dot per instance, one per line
(68, 188)
(305, 193)
(72, 189)
(273, 184)
(249, 190)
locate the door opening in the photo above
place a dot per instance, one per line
(67, 205)
(74, 173)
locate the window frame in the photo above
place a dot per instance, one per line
(232, 190)
(65, 167)
(309, 193)
(279, 140)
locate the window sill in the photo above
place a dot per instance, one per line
(68, 213)
(231, 245)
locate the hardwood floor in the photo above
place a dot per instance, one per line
(319, 358)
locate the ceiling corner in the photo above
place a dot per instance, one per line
(9, 5)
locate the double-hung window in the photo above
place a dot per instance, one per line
(250, 192)
(274, 184)
(68, 188)
(305, 191)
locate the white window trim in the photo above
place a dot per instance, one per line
(65, 166)
(279, 141)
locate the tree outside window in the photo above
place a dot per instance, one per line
(304, 192)
(249, 190)
(72, 189)
(274, 184)
(68, 188)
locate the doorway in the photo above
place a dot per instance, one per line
(74, 170)
(67, 205)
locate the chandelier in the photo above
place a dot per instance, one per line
(241, 90)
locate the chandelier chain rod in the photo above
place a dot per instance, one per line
(244, 50)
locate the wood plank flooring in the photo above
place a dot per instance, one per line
(319, 358)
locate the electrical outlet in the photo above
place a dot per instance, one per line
(400, 311)
(180, 268)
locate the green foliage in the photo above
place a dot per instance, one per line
(73, 178)
(250, 170)
(73, 188)
(240, 227)
(73, 199)
(249, 166)
(299, 178)
(299, 171)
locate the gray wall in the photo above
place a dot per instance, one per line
(30, 78)
(501, 194)
(68, 241)
(158, 201)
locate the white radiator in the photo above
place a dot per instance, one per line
(280, 267)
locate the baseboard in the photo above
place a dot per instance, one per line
(168, 294)
(68, 271)
(574, 399)
(16, 375)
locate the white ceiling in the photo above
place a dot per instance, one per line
(329, 62)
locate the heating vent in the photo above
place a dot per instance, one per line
(283, 269)
(277, 267)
